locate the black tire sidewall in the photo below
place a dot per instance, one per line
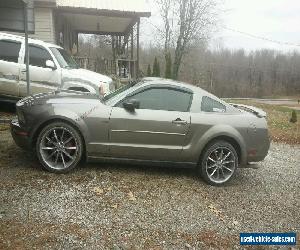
(77, 137)
(206, 152)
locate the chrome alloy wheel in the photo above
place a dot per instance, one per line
(220, 164)
(58, 148)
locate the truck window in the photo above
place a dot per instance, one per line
(9, 50)
(38, 56)
(64, 59)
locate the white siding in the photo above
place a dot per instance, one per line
(44, 25)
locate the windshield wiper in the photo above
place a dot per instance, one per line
(132, 82)
(70, 67)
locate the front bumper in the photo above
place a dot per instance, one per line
(20, 135)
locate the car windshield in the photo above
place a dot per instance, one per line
(118, 92)
(64, 59)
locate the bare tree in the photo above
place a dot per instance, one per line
(193, 19)
(165, 12)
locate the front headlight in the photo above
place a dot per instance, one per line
(103, 90)
(21, 117)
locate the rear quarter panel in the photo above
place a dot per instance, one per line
(207, 126)
(258, 139)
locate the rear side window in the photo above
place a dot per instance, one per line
(9, 50)
(210, 105)
(38, 56)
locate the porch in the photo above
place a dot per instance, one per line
(120, 20)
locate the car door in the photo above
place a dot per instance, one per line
(9, 67)
(42, 78)
(154, 131)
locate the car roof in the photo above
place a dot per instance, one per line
(30, 40)
(158, 80)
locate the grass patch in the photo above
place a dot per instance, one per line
(280, 127)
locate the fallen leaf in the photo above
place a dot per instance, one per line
(187, 245)
(98, 190)
(216, 211)
(131, 196)
(235, 222)
(114, 206)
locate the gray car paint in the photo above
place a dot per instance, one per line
(111, 132)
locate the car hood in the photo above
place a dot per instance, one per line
(59, 97)
(84, 75)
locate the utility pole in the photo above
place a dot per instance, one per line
(26, 46)
(138, 49)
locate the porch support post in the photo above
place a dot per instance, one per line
(138, 49)
(77, 42)
(131, 46)
(113, 65)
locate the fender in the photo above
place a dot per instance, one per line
(200, 140)
(61, 114)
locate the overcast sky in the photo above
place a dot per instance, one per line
(274, 19)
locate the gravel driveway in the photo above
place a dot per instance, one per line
(101, 206)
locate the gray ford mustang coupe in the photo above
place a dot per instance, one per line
(154, 121)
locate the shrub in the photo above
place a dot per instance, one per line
(294, 117)
(156, 68)
(168, 71)
(149, 73)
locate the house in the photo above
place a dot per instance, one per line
(61, 21)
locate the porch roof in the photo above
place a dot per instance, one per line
(102, 16)
(135, 7)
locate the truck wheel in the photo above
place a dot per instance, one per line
(218, 163)
(59, 147)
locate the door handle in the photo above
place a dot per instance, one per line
(23, 71)
(180, 122)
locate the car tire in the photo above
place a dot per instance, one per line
(59, 147)
(218, 163)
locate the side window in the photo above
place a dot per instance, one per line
(163, 99)
(38, 56)
(210, 105)
(9, 50)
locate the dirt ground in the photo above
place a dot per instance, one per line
(102, 206)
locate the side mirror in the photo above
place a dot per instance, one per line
(50, 64)
(131, 105)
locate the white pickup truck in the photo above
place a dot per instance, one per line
(51, 67)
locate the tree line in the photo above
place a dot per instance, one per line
(234, 73)
(224, 72)
(182, 51)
